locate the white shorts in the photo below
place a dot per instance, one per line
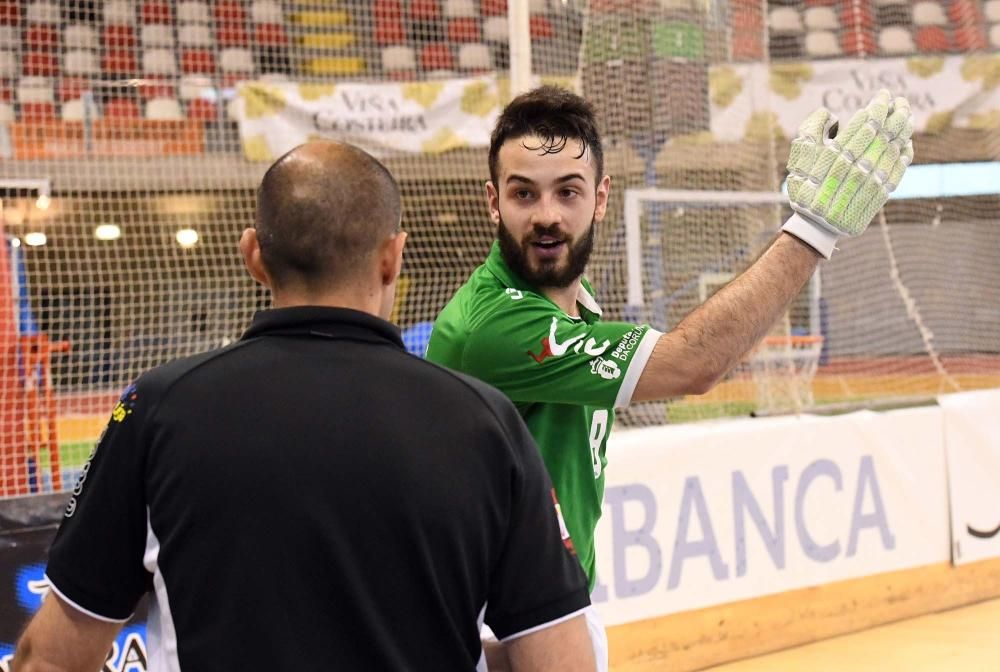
(598, 638)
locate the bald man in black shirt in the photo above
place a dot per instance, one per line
(312, 497)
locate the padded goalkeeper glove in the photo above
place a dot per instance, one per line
(837, 184)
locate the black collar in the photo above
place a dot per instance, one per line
(323, 322)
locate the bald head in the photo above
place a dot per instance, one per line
(322, 210)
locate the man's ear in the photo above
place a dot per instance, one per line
(603, 191)
(493, 201)
(391, 258)
(250, 249)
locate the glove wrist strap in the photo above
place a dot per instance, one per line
(815, 235)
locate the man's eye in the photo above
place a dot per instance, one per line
(522, 194)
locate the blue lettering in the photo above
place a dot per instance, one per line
(707, 546)
(877, 518)
(744, 502)
(809, 546)
(623, 538)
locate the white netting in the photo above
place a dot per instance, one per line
(119, 113)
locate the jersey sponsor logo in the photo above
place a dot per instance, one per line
(626, 346)
(605, 368)
(514, 294)
(551, 347)
(563, 530)
(125, 405)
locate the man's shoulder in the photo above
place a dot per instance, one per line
(159, 379)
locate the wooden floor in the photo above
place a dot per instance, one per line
(961, 640)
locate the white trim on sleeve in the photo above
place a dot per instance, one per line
(636, 366)
(82, 610)
(536, 628)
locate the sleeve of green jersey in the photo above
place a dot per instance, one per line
(534, 352)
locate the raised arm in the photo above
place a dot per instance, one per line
(836, 185)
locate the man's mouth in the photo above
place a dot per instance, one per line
(548, 247)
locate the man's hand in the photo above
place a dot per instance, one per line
(837, 184)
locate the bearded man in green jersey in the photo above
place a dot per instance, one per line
(527, 321)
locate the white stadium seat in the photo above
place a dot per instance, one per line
(159, 62)
(474, 57)
(785, 20)
(80, 36)
(822, 44)
(157, 35)
(164, 109)
(119, 13)
(266, 11)
(398, 57)
(80, 62)
(895, 41)
(821, 18)
(195, 35)
(236, 60)
(43, 12)
(192, 11)
(929, 14)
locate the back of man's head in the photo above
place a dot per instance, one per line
(322, 210)
(554, 115)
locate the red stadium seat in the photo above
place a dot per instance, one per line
(970, 38)
(157, 87)
(197, 62)
(72, 88)
(963, 12)
(464, 29)
(10, 13)
(437, 56)
(40, 37)
(747, 20)
(118, 37)
(36, 112)
(387, 10)
(425, 10)
(933, 39)
(122, 108)
(493, 7)
(119, 62)
(232, 35)
(40, 64)
(6, 94)
(389, 31)
(541, 27)
(858, 15)
(202, 110)
(747, 46)
(155, 11)
(857, 42)
(228, 12)
(270, 34)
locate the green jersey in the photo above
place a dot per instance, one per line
(566, 375)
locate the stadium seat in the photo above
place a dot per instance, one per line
(119, 13)
(889, 3)
(991, 8)
(232, 35)
(43, 12)
(194, 35)
(459, 9)
(41, 37)
(387, 10)
(821, 18)
(270, 34)
(475, 58)
(157, 86)
(399, 62)
(266, 11)
(39, 64)
(6, 113)
(964, 12)
(785, 20)
(493, 7)
(6, 93)
(424, 10)
(121, 108)
(157, 12)
(932, 39)
(229, 12)
(747, 46)
(541, 28)
(10, 37)
(857, 42)
(995, 36)
(927, 13)
(436, 56)
(119, 62)
(193, 87)
(858, 15)
(894, 15)
(38, 112)
(36, 99)
(970, 38)
(895, 41)
(389, 31)
(79, 36)
(71, 88)
(542, 6)
(157, 35)
(118, 36)
(197, 62)
(80, 62)
(464, 29)
(748, 20)
(164, 109)
(822, 44)
(10, 13)
(192, 11)
(159, 63)
(8, 65)
(496, 29)
(236, 65)
(201, 110)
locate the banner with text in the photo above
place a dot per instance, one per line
(705, 514)
(748, 100)
(422, 117)
(972, 440)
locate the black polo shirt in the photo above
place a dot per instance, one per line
(314, 498)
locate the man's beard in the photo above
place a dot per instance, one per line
(548, 273)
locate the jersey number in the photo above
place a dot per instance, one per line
(598, 428)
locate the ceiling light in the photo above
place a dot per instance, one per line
(187, 237)
(43, 202)
(35, 238)
(108, 232)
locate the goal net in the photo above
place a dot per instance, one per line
(133, 134)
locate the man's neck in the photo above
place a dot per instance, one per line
(565, 297)
(364, 301)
